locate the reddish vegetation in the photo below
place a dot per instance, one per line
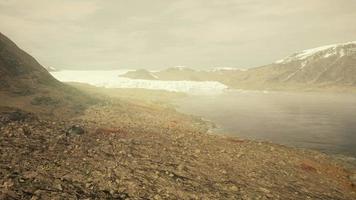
(110, 131)
(234, 140)
(307, 167)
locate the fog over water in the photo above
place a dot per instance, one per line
(325, 122)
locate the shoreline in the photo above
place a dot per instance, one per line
(146, 151)
(119, 148)
(341, 156)
(288, 106)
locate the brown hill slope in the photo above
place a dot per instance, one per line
(20, 73)
(26, 85)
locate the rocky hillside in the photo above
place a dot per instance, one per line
(20, 72)
(27, 85)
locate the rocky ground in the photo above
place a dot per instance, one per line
(118, 150)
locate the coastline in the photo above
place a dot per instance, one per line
(138, 150)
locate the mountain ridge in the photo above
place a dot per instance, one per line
(331, 66)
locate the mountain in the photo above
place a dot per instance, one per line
(140, 74)
(332, 66)
(327, 66)
(183, 74)
(27, 85)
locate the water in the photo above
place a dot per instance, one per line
(325, 122)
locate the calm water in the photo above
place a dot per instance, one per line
(326, 122)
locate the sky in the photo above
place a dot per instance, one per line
(156, 34)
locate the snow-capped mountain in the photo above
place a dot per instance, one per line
(333, 64)
(338, 50)
(326, 66)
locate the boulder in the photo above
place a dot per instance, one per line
(75, 130)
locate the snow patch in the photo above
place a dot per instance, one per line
(282, 61)
(227, 69)
(50, 69)
(304, 63)
(327, 55)
(154, 76)
(181, 68)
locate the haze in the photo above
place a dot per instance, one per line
(117, 34)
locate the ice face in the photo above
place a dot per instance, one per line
(111, 79)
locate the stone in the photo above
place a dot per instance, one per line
(180, 167)
(353, 179)
(75, 130)
(58, 186)
(16, 115)
(234, 188)
(264, 190)
(27, 131)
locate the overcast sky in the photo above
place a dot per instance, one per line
(121, 34)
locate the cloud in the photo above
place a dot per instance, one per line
(56, 10)
(160, 33)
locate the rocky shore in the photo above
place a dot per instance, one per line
(119, 150)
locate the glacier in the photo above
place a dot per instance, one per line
(111, 79)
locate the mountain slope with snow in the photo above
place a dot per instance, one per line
(339, 50)
(331, 66)
(327, 66)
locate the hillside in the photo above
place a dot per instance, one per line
(27, 85)
(21, 73)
